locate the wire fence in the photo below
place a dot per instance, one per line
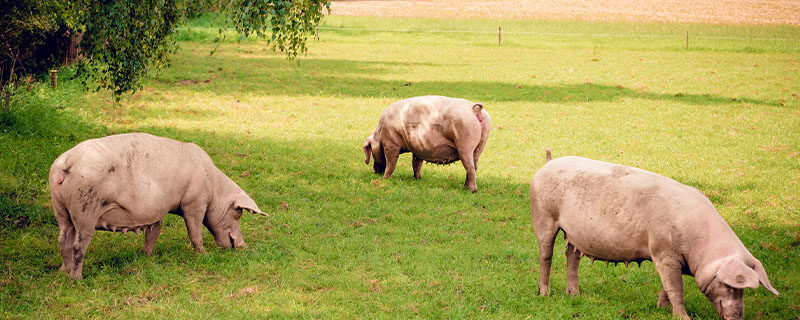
(566, 34)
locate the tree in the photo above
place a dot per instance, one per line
(123, 40)
(32, 38)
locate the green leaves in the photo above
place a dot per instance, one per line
(126, 41)
(288, 23)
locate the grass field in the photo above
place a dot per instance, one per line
(722, 116)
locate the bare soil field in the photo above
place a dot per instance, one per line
(757, 12)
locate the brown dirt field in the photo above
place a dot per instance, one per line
(757, 12)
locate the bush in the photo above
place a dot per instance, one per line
(35, 37)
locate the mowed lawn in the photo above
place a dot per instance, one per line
(340, 242)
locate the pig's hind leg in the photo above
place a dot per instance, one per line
(546, 234)
(66, 236)
(573, 262)
(469, 166)
(84, 223)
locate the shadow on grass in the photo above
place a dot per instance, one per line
(718, 194)
(279, 175)
(351, 78)
(32, 135)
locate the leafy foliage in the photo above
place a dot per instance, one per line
(288, 21)
(33, 35)
(124, 41)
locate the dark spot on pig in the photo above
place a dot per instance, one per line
(112, 169)
(87, 197)
(646, 195)
(129, 158)
(620, 171)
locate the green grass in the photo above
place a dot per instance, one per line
(723, 116)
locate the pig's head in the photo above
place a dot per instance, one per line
(724, 287)
(226, 230)
(372, 147)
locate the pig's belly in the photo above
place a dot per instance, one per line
(138, 209)
(607, 236)
(444, 155)
(435, 149)
(117, 218)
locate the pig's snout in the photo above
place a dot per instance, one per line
(731, 310)
(230, 238)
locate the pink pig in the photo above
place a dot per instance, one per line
(616, 213)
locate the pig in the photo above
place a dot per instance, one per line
(616, 213)
(435, 129)
(128, 182)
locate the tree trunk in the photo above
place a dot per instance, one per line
(74, 48)
(8, 98)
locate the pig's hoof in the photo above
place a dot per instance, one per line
(573, 291)
(76, 275)
(544, 291)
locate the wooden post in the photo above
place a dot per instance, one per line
(316, 32)
(54, 78)
(687, 39)
(498, 34)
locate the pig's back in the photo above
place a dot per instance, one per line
(613, 212)
(141, 172)
(424, 125)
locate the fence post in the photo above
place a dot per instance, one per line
(687, 39)
(498, 34)
(316, 32)
(54, 78)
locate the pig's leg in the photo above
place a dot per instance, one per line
(150, 236)
(466, 146)
(469, 166)
(66, 237)
(194, 226)
(416, 163)
(84, 215)
(193, 214)
(663, 300)
(477, 154)
(573, 262)
(391, 153)
(83, 236)
(671, 282)
(546, 234)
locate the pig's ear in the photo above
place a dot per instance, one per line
(762, 277)
(367, 149)
(735, 273)
(243, 201)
